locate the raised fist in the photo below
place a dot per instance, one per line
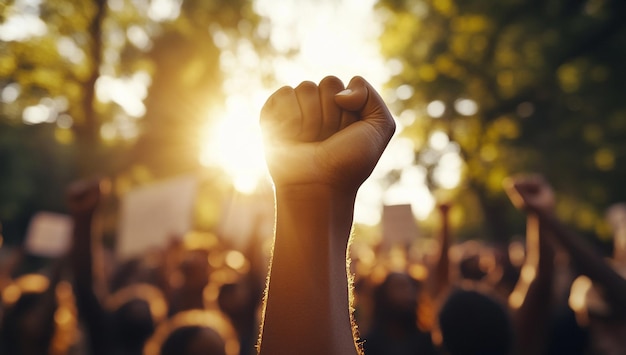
(530, 192)
(325, 135)
(83, 196)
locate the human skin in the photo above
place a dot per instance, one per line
(321, 144)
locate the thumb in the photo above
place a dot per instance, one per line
(361, 98)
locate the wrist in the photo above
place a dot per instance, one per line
(314, 192)
(315, 220)
(82, 215)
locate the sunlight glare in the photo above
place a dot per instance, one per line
(404, 92)
(20, 27)
(466, 107)
(331, 38)
(368, 207)
(234, 144)
(138, 37)
(70, 50)
(412, 189)
(340, 39)
(436, 109)
(10, 92)
(439, 140)
(448, 172)
(36, 114)
(163, 10)
(128, 92)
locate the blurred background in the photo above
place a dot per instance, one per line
(142, 90)
(160, 99)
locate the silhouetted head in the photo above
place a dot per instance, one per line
(237, 299)
(193, 340)
(472, 323)
(126, 274)
(470, 268)
(133, 323)
(201, 332)
(135, 312)
(28, 328)
(396, 298)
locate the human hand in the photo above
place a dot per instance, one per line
(84, 196)
(530, 192)
(325, 135)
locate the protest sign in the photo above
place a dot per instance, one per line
(153, 214)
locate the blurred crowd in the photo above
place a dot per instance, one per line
(548, 294)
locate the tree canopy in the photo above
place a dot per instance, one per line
(516, 86)
(115, 88)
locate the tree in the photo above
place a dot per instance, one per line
(106, 87)
(516, 86)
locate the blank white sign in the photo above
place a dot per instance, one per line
(153, 214)
(49, 235)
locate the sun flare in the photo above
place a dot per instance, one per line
(342, 42)
(234, 144)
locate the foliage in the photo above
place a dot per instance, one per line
(548, 80)
(64, 114)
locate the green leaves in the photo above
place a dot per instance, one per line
(546, 77)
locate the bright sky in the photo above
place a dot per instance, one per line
(333, 37)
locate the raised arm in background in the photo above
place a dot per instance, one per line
(440, 281)
(531, 194)
(83, 198)
(321, 143)
(531, 299)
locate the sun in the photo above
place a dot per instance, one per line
(334, 38)
(233, 143)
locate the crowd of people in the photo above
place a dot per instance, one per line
(322, 142)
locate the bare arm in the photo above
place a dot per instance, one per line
(320, 147)
(590, 263)
(530, 194)
(441, 278)
(82, 199)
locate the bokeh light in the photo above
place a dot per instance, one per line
(436, 108)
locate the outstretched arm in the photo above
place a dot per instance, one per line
(531, 299)
(440, 280)
(83, 198)
(530, 194)
(321, 143)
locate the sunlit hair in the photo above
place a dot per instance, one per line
(474, 323)
(212, 319)
(148, 293)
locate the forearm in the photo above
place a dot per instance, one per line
(532, 317)
(87, 302)
(307, 307)
(82, 253)
(589, 263)
(441, 279)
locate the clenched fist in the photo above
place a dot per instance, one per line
(325, 134)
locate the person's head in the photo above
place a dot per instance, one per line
(237, 299)
(28, 321)
(473, 323)
(135, 312)
(125, 274)
(196, 269)
(133, 323)
(193, 340)
(206, 332)
(396, 298)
